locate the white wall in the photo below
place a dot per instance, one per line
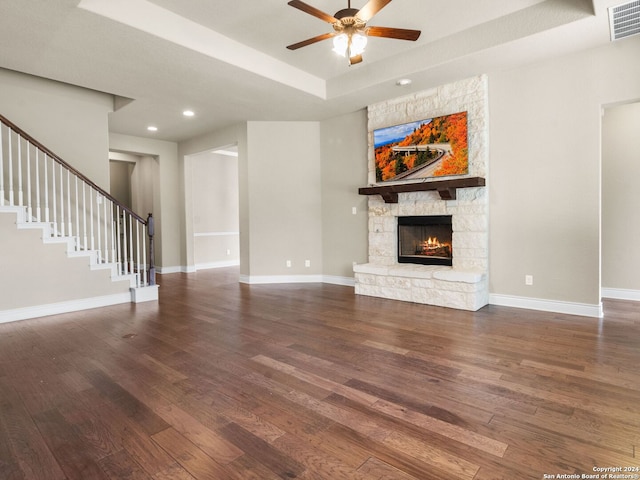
(620, 199)
(545, 171)
(70, 121)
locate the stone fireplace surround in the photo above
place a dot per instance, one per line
(465, 284)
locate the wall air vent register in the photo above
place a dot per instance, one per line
(624, 20)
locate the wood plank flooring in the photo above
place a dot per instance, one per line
(227, 381)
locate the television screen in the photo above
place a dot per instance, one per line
(434, 147)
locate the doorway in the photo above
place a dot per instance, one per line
(120, 180)
(132, 179)
(215, 208)
(620, 223)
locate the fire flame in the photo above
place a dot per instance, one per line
(432, 242)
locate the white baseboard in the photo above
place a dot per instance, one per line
(63, 307)
(335, 280)
(195, 268)
(265, 279)
(165, 270)
(555, 306)
(219, 264)
(621, 294)
(262, 279)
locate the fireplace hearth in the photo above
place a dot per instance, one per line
(425, 240)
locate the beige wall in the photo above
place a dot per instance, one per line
(144, 179)
(168, 204)
(47, 275)
(344, 170)
(545, 170)
(120, 181)
(285, 198)
(141, 172)
(70, 121)
(621, 197)
(544, 175)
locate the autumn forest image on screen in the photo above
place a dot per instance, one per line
(433, 147)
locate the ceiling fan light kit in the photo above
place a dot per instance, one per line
(350, 29)
(353, 44)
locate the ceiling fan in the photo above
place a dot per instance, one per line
(350, 29)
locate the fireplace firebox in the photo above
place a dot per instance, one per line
(425, 240)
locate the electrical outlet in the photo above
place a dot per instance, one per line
(288, 263)
(354, 210)
(528, 279)
(307, 263)
(228, 252)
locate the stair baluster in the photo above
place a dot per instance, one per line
(54, 221)
(45, 190)
(37, 188)
(29, 204)
(19, 163)
(10, 171)
(61, 176)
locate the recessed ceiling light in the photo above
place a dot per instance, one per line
(403, 82)
(188, 113)
(151, 128)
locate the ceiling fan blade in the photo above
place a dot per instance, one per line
(355, 59)
(370, 9)
(313, 11)
(399, 33)
(310, 41)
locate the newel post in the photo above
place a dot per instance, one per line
(152, 265)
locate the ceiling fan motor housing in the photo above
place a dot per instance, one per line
(347, 21)
(346, 12)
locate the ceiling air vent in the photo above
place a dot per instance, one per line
(624, 20)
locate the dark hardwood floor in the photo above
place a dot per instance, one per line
(227, 381)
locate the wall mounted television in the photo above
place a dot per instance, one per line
(434, 147)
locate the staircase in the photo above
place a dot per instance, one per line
(50, 211)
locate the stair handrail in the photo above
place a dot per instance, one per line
(73, 170)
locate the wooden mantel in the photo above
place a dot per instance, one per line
(446, 188)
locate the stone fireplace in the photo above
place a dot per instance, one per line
(461, 282)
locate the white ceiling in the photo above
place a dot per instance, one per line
(226, 60)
